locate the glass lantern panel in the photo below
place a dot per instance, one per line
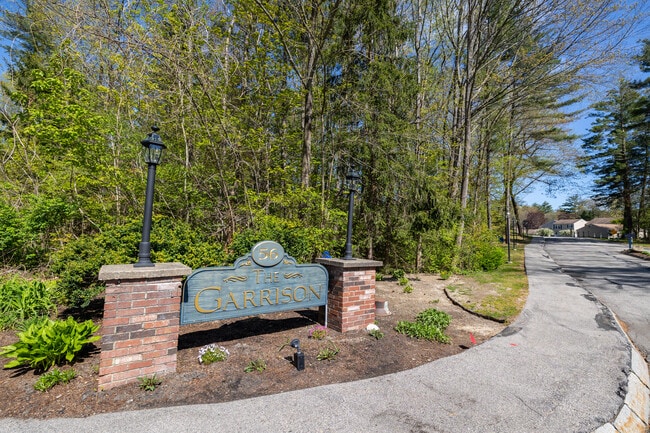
(153, 154)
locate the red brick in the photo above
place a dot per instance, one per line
(127, 344)
(113, 321)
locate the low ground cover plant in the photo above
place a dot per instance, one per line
(328, 353)
(318, 332)
(54, 377)
(258, 365)
(50, 343)
(212, 353)
(149, 383)
(430, 325)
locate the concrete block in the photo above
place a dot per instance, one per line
(628, 422)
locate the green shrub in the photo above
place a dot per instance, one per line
(22, 300)
(300, 242)
(78, 263)
(52, 378)
(438, 250)
(50, 343)
(545, 232)
(482, 252)
(28, 232)
(429, 325)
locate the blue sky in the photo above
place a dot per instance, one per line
(582, 184)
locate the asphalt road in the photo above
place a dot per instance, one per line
(619, 281)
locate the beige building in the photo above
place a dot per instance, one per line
(601, 228)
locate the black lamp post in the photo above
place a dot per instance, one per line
(153, 150)
(352, 180)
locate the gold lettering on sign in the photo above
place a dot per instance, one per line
(265, 296)
(232, 300)
(266, 277)
(198, 295)
(317, 294)
(287, 293)
(304, 294)
(248, 297)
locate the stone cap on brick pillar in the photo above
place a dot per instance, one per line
(130, 272)
(350, 264)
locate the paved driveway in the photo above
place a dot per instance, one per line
(619, 281)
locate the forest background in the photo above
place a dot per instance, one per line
(450, 109)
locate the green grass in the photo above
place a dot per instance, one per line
(509, 283)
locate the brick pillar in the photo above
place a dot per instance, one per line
(351, 296)
(141, 321)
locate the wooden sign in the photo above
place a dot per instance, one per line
(264, 281)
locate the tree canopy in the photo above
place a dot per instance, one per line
(449, 109)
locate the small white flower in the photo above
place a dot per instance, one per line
(372, 327)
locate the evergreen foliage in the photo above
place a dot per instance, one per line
(264, 105)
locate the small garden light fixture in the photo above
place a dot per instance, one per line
(353, 182)
(298, 357)
(153, 150)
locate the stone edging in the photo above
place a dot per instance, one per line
(634, 415)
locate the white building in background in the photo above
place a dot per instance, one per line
(568, 227)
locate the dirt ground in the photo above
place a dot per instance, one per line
(248, 339)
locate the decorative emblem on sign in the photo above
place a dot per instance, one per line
(259, 282)
(235, 278)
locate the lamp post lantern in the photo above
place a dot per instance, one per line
(352, 180)
(153, 150)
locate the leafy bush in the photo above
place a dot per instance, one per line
(28, 232)
(50, 343)
(78, 263)
(22, 300)
(54, 377)
(438, 250)
(300, 242)
(429, 324)
(545, 232)
(482, 252)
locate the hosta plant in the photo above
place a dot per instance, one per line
(48, 343)
(429, 325)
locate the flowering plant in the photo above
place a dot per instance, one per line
(212, 353)
(318, 332)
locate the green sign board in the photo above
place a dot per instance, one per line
(264, 281)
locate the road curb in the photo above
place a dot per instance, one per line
(634, 415)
